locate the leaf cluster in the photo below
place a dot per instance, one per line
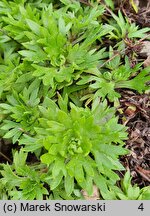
(57, 76)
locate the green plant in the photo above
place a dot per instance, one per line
(124, 30)
(109, 3)
(116, 75)
(49, 49)
(129, 192)
(22, 182)
(77, 148)
(27, 179)
(58, 73)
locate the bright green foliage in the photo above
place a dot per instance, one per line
(56, 75)
(110, 3)
(116, 75)
(26, 178)
(22, 109)
(129, 192)
(124, 30)
(49, 48)
(81, 148)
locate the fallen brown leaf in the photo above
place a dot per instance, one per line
(94, 196)
(147, 62)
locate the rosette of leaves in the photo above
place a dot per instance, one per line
(81, 145)
(49, 39)
(104, 83)
(124, 30)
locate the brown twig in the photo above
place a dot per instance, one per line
(143, 173)
(86, 3)
(119, 53)
(5, 157)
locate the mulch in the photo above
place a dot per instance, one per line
(135, 115)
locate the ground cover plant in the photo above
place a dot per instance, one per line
(67, 69)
